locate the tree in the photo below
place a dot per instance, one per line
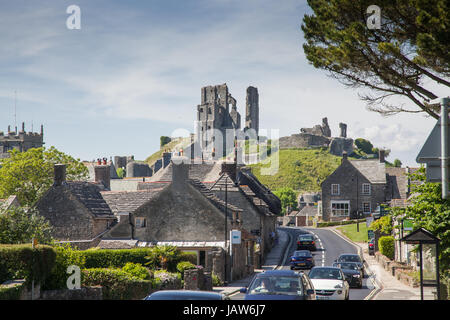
(163, 140)
(29, 174)
(397, 163)
(430, 211)
(364, 145)
(409, 53)
(288, 198)
(18, 225)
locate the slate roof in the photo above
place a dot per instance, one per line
(207, 171)
(373, 170)
(220, 204)
(397, 183)
(308, 211)
(128, 201)
(89, 195)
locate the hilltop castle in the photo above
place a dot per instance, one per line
(214, 117)
(21, 140)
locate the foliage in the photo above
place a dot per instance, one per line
(163, 140)
(429, 211)
(216, 282)
(24, 262)
(364, 145)
(65, 257)
(175, 144)
(300, 169)
(397, 163)
(29, 174)
(120, 173)
(117, 284)
(337, 223)
(288, 198)
(386, 245)
(184, 265)
(167, 280)
(137, 270)
(384, 224)
(18, 225)
(406, 57)
(163, 257)
(188, 256)
(106, 258)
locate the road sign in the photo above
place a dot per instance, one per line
(407, 225)
(370, 234)
(235, 236)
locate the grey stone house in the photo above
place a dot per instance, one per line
(183, 213)
(355, 186)
(76, 209)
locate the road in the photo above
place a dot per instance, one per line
(329, 247)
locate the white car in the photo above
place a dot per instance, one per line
(329, 283)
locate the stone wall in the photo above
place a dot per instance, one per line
(85, 293)
(197, 279)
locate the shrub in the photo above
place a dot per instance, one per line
(386, 245)
(117, 284)
(65, 257)
(188, 256)
(384, 224)
(164, 257)
(24, 262)
(167, 280)
(184, 265)
(11, 291)
(216, 282)
(137, 270)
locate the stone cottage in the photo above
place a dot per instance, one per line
(76, 209)
(355, 186)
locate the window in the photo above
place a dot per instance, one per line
(366, 188)
(340, 209)
(335, 189)
(140, 222)
(366, 207)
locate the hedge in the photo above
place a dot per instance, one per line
(117, 284)
(338, 223)
(184, 265)
(386, 245)
(23, 262)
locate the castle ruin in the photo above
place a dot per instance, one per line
(21, 141)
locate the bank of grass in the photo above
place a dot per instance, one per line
(350, 231)
(299, 169)
(173, 145)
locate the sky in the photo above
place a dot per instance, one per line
(134, 72)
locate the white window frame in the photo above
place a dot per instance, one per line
(142, 224)
(342, 211)
(370, 207)
(365, 192)
(338, 189)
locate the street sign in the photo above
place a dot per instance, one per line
(235, 236)
(407, 225)
(370, 234)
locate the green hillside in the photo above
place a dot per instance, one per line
(300, 169)
(173, 145)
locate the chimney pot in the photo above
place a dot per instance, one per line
(59, 174)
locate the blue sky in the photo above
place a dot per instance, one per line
(134, 72)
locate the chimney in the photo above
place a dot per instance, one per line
(166, 156)
(381, 155)
(344, 156)
(60, 174)
(230, 168)
(180, 173)
(103, 175)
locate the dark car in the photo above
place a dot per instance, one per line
(371, 247)
(353, 274)
(306, 242)
(302, 259)
(280, 285)
(186, 295)
(351, 257)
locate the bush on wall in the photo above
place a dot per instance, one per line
(386, 245)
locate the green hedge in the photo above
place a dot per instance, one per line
(184, 265)
(117, 284)
(338, 223)
(106, 258)
(11, 291)
(386, 245)
(23, 262)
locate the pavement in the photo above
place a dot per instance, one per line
(387, 287)
(273, 259)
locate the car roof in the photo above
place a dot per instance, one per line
(279, 273)
(307, 251)
(190, 293)
(349, 254)
(305, 235)
(326, 267)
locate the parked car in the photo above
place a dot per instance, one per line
(280, 285)
(329, 283)
(351, 257)
(306, 242)
(353, 274)
(186, 295)
(302, 259)
(371, 247)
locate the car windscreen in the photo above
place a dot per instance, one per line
(348, 266)
(325, 273)
(350, 258)
(276, 285)
(306, 238)
(302, 254)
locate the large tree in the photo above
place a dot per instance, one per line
(29, 174)
(403, 58)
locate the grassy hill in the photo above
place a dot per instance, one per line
(173, 145)
(300, 169)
